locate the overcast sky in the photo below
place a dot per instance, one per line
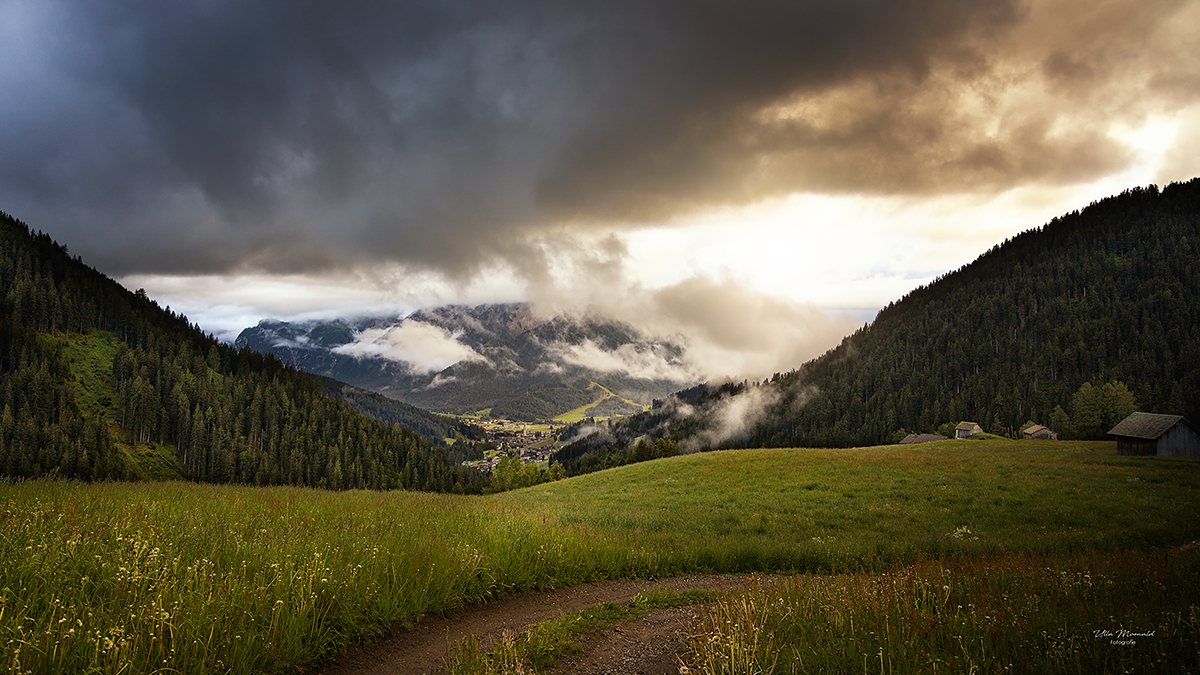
(759, 175)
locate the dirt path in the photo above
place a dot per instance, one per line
(653, 644)
(646, 645)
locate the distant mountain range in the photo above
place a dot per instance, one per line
(501, 358)
(1107, 297)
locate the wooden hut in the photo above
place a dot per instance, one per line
(1039, 432)
(966, 429)
(1153, 434)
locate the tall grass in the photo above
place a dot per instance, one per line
(177, 577)
(1080, 613)
(128, 578)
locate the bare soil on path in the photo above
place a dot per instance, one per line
(649, 644)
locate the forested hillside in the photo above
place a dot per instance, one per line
(1103, 297)
(438, 429)
(92, 375)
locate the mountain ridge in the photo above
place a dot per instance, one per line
(463, 358)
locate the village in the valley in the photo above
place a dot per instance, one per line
(534, 442)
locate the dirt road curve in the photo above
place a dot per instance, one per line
(646, 645)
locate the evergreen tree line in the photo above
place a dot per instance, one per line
(1099, 297)
(232, 415)
(605, 450)
(1093, 411)
(434, 427)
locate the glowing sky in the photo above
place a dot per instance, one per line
(759, 176)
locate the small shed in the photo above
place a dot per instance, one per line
(921, 438)
(1039, 432)
(1154, 434)
(966, 429)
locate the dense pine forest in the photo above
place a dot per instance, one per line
(435, 427)
(98, 383)
(1066, 325)
(1107, 294)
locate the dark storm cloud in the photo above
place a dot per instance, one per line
(288, 135)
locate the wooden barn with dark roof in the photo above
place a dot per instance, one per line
(1154, 434)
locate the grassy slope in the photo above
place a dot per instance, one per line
(91, 357)
(799, 508)
(586, 410)
(572, 416)
(228, 579)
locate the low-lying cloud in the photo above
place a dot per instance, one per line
(731, 418)
(724, 328)
(654, 362)
(425, 347)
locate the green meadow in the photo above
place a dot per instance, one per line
(1036, 543)
(838, 510)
